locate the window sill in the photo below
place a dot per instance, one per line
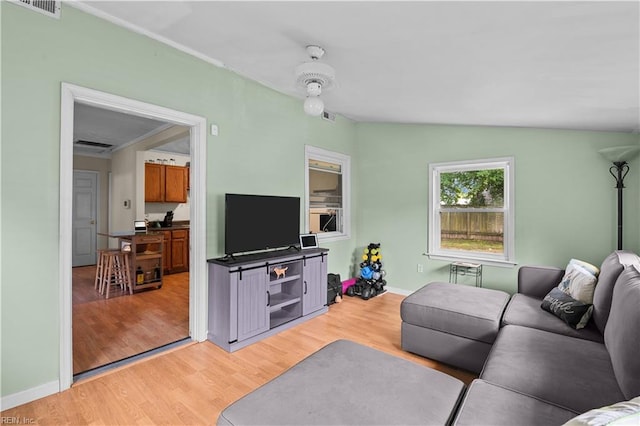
(484, 261)
(329, 238)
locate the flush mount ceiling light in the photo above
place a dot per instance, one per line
(314, 76)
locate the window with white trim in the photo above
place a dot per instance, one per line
(327, 178)
(471, 214)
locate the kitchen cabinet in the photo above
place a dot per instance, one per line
(165, 184)
(153, 182)
(175, 256)
(166, 253)
(179, 250)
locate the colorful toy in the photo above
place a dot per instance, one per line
(371, 281)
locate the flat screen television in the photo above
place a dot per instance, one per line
(260, 222)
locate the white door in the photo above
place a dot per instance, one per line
(85, 196)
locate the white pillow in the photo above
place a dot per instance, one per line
(578, 283)
(621, 413)
(594, 270)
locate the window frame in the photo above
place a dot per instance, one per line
(434, 250)
(315, 153)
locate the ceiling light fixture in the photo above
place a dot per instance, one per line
(314, 76)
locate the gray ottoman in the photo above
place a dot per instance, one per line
(452, 323)
(346, 383)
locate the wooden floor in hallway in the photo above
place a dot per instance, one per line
(194, 383)
(108, 330)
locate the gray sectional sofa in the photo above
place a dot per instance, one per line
(533, 368)
(539, 369)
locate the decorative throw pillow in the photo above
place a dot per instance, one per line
(622, 413)
(578, 283)
(593, 270)
(572, 311)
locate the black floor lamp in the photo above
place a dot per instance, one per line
(620, 155)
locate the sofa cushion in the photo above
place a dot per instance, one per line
(525, 311)
(622, 335)
(348, 383)
(611, 267)
(489, 404)
(573, 312)
(622, 413)
(573, 373)
(536, 281)
(470, 312)
(448, 348)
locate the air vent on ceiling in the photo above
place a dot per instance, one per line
(90, 144)
(46, 7)
(329, 116)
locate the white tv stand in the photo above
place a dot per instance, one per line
(248, 301)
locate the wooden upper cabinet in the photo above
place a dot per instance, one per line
(175, 184)
(154, 182)
(165, 183)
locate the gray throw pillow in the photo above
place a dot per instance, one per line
(572, 311)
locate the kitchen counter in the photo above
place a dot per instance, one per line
(176, 225)
(167, 228)
(129, 234)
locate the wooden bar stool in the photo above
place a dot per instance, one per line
(116, 270)
(100, 268)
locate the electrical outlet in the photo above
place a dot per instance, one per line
(420, 268)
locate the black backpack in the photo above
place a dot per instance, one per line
(334, 288)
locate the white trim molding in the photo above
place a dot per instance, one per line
(434, 249)
(345, 162)
(31, 394)
(400, 291)
(70, 94)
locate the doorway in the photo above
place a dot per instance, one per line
(107, 331)
(197, 275)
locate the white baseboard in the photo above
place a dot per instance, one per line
(401, 291)
(29, 395)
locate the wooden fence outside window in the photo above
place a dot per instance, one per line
(468, 225)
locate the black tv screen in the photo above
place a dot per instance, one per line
(260, 222)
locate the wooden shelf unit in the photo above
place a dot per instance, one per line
(146, 253)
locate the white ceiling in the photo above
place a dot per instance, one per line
(97, 125)
(563, 65)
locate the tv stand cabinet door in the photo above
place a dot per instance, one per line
(253, 312)
(314, 284)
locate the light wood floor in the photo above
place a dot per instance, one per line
(108, 330)
(193, 384)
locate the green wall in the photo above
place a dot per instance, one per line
(260, 149)
(565, 201)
